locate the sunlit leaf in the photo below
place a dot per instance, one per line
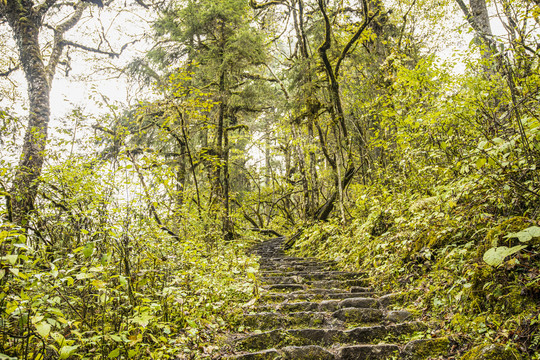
(43, 329)
(495, 256)
(12, 259)
(67, 350)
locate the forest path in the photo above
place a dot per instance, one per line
(309, 310)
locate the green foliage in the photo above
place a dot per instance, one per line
(97, 278)
(124, 255)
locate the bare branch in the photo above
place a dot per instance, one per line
(105, 130)
(140, 2)
(99, 3)
(10, 70)
(43, 8)
(405, 23)
(91, 49)
(283, 88)
(58, 45)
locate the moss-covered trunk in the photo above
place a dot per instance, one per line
(25, 23)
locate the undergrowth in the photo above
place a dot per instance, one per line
(140, 295)
(431, 250)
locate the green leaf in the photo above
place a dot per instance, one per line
(43, 329)
(114, 354)
(54, 271)
(66, 351)
(83, 276)
(526, 234)
(12, 259)
(15, 271)
(534, 231)
(192, 323)
(480, 162)
(523, 236)
(116, 338)
(88, 250)
(495, 256)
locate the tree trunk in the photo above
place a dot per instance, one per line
(478, 18)
(481, 17)
(325, 210)
(26, 20)
(181, 175)
(25, 25)
(217, 188)
(312, 168)
(227, 224)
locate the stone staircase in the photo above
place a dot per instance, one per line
(309, 310)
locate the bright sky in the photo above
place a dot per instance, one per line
(84, 79)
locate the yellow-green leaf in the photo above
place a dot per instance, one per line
(43, 329)
(12, 259)
(66, 351)
(480, 162)
(114, 354)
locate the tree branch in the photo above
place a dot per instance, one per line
(283, 88)
(353, 40)
(257, 77)
(91, 49)
(148, 198)
(237, 127)
(9, 71)
(58, 44)
(256, 6)
(43, 8)
(334, 85)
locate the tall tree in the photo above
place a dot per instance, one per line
(27, 21)
(219, 43)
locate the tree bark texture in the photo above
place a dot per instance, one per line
(26, 21)
(25, 24)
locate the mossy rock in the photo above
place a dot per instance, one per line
(425, 348)
(424, 204)
(491, 352)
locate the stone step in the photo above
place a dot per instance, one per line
(309, 295)
(413, 350)
(334, 283)
(292, 258)
(313, 352)
(326, 337)
(285, 287)
(290, 268)
(343, 285)
(371, 352)
(338, 318)
(325, 305)
(360, 285)
(309, 310)
(294, 261)
(311, 276)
